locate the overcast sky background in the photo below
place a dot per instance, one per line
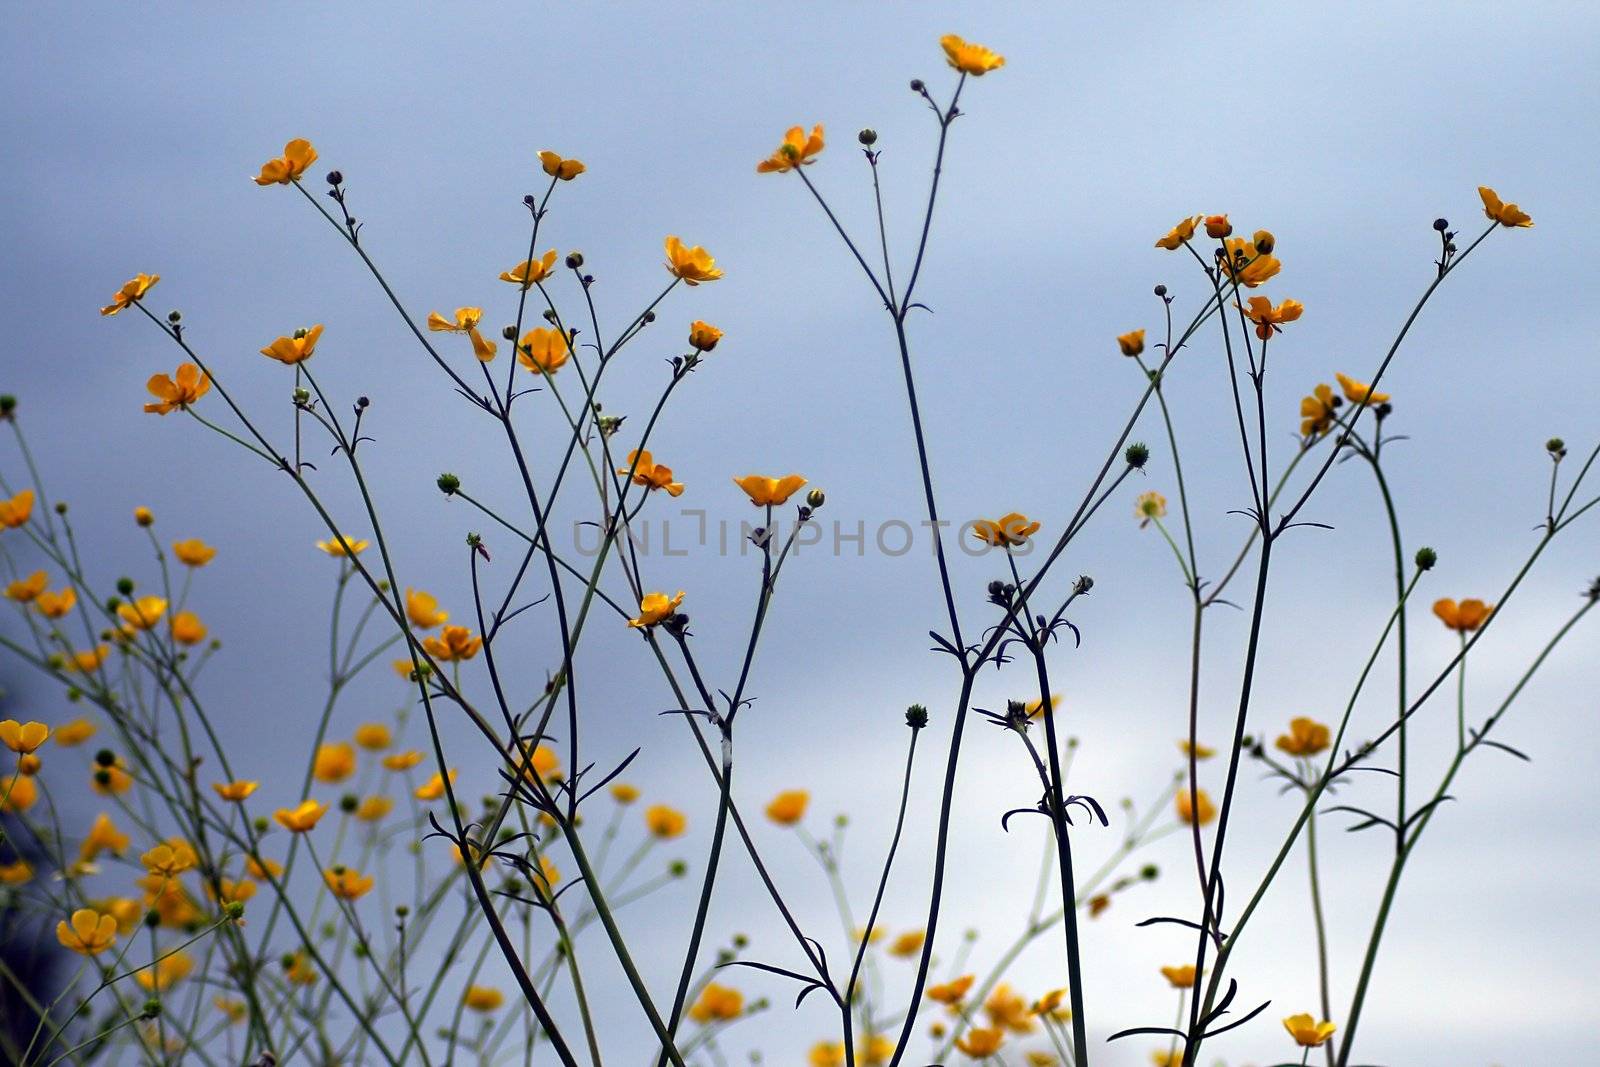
(1346, 130)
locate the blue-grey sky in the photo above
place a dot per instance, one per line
(1344, 129)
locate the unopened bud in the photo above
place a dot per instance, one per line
(815, 499)
(448, 484)
(1426, 558)
(868, 137)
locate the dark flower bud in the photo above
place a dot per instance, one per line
(741, 940)
(677, 868)
(8, 404)
(61, 507)
(335, 178)
(574, 260)
(261, 824)
(1161, 290)
(125, 586)
(448, 484)
(363, 403)
(347, 804)
(1083, 584)
(530, 201)
(152, 918)
(868, 137)
(301, 395)
(152, 1008)
(1426, 558)
(1149, 872)
(105, 757)
(174, 316)
(1383, 411)
(1137, 454)
(649, 317)
(1263, 241)
(234, 909)
(815, 499)
(997, 588)
(1556, 446)
(401, 911)
(917, 86)
(916, 716)
(588, 279)
(1441, 224)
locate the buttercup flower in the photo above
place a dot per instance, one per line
(84, 661)
(166, 972)
(169, 860)
(1359, 393)
(302, 817)
(1131, 343)
(23, 737)
(1200, 751)
(333, 548)
(18, 793)
(1465, 617)
(656, 607)
(297, 156)
(1035, 706)
(664, 822)
(187, 629)
(466, 321)
(23, 590)
(826, 1054)
(1270, 319)
(76, 732)
(623, 793)
(373, 736)
(454, 643)
(907, 944)
(556, 167)
(1218, 226)
(15, 511)
(717, 1002)
(647, 472)
(402, 761)
(296, 348)
(482, 998)
(703, 336)
(1318, 411)
(764, 491)
(796, 150)
(235, 790)
(981, 1042)
(186, 386)
(1008, 531)
(1207, 810)
(1241, 262)
(18, 872)
(530, 272)
(374, 808)
(1504, 214)
(193, 552)
(544, 350)
(1008, 1010)
(54, 605)
(875, 1050)
(1306, 737)
(103, 836)
(969, 58)
(142, 516)
(334, 762)
(788, 807)
(1183, 231)
(1180, 977)
(89, 933)
(433, 788)
(1306, 1031)
(693, 265)
(131, 293)
(111, 781)
(423, 610)
(951, 992)
(141, 614)
(347, 884)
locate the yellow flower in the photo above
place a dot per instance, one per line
(876, 1050)
(333, 547)
(1504, 214)
(334, 762)
(263, 868)
(1008, 531)
(656, 607)
(111, 781)
(193, 552)
(1465, 617)
(968, 58)
(1040, 1058)
(795, 151)
(18, 793)
(236, 790)
(169, 860)
(703, 336)
(374, 808)
(143, 517)
(664, 822)
(981, 1042)
(1207, 810)
(1269, 319)
(1051, 1004)
(302, 817)
(1359, 393)
(187, 629)
(229, 891)
(373, 736)
(1180, 977)
(1318, 411)
(85, 661)
(623, 793)
(907, 944)
(542, 350)
(556, 167)
(1034, 707)
(55, 605)
(1131, 343)
(693, 265)
(423, 610)
(23, 590)
(530, 272)
(466, 321)
(1007, 1010)
(717, 1002)
(1200, 751)
(19, 872)
(103, 836)
(297, 156)
(23, 737)
(236, 1010)
(826, 1054)
(1167, 1058)
(483, 998)
(433, 788)
(76, 732)
(454, 643)
(402, 761)
(15, 512)
(166, 972)
(299, 969)
(347, 884)
(1306, 1031)
(788, 807)
(1306, 737)
(142, 614)
(1183, 231)
(951, 992)
(186, 386)
(647, 472)
(297, 348)
(90, 932)
(764, 491)
(1218, 226)
(133, 291)
(1241, 262)
(1149, 507)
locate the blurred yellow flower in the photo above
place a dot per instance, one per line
(373, 736)
(1318, 411)
(1200, 751)
(693, 265)
(76, 732)
(1465, 617)
(647, 472)
(23, 590)
(402, 761)
(374, 808)
(433, 788)
(1207, 810)
(111, 781)
(1149, 507)
(187, 629)
(454, 643)
(236, 790)
(142, 516)
(186, 386)
(1008, 531)
(875, 1050)
(788, 807)
(133, 291)
(166, 972)
(334, 761)
(530, 272)
(347, 884)
(951, 992)
(907, 944)
(981, 1042)
(969, 58)
(89, 933)
(1007, 1010)
(18, 793)
(656, 607)
(1504, 214)
(1131, 343)
(717, 1003)
(1180, 977)
(296, 348)
(1307, 1031)
(1358, 392)
(1306, 737)
(482, 998)
(557, 167)
(1034, 707)
(664, 822)
(142, 613)
(796, 150)
(623, 793)
(297, 156)
(17, 872)
(423, 610)
(15, 511)
(193, 552)
(334, 548)
(826, 1054)
(302, 817)
(169, 860)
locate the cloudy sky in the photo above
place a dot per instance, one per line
(1344, 130)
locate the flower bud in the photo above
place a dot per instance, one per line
(152, 1008)
(868, 137)
(335, 178)
(916, 716)
(1426, 558)
(917, 86)
(8, 404)
(28, 765)
(1137, 454)
(448, 484)
(301, 396)
(401, 911)
(299, 335)
(1441, 224)
(152, 918)
(815, 499)
(1149, 872)
(125, 586)
(174, 316)
(105, 757)
(1161, 290)
(143, 517)
(678, 868)
(347, 804)
(1264, 242)
(234, 909)
(530, 201)
(1556, 447)
(574, 260)
(1083, 584)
